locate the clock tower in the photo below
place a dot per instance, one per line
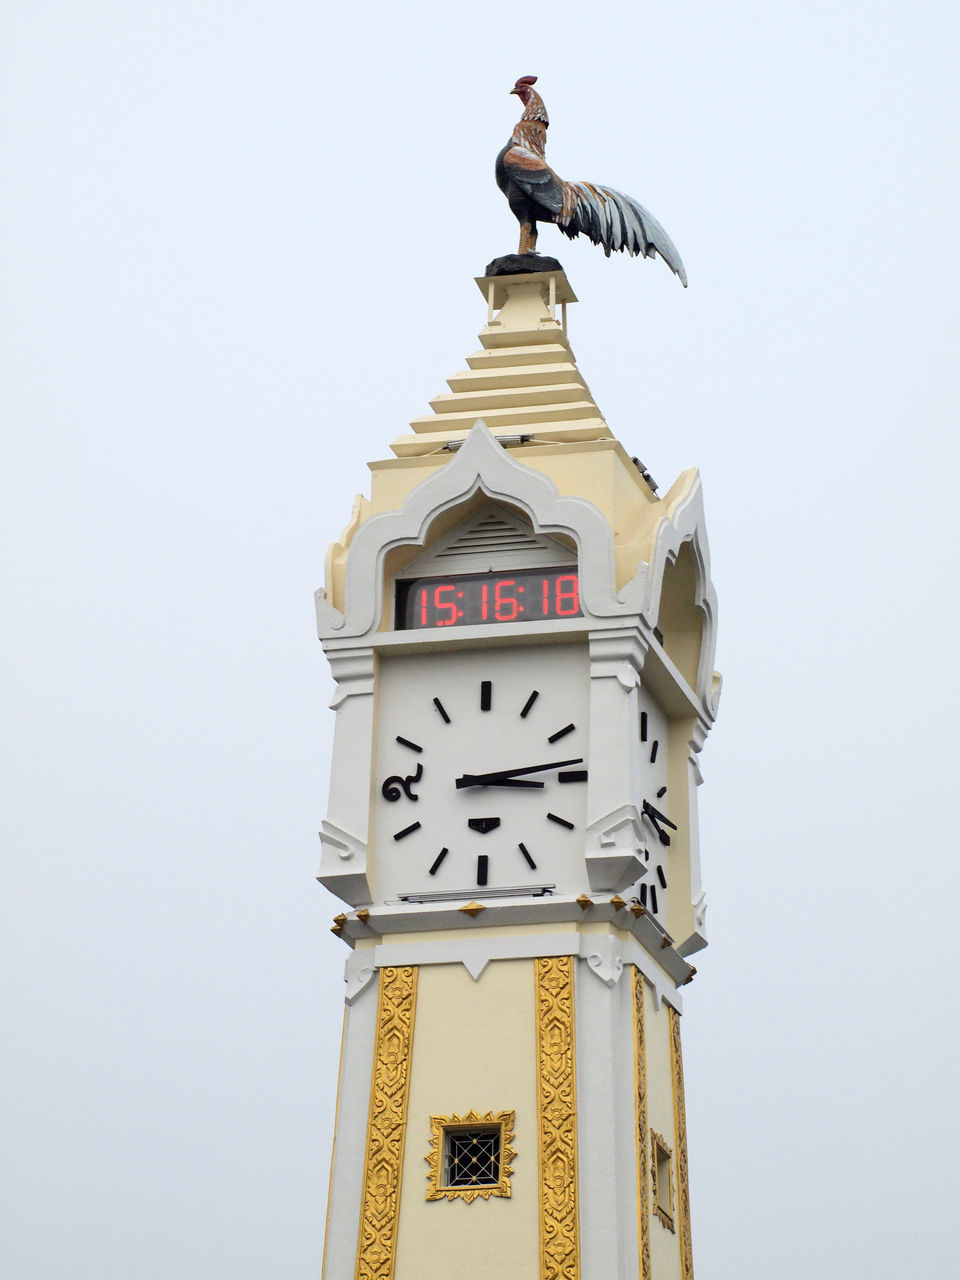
(521, 632)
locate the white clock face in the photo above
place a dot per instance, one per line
(481, 771)
(659, 821)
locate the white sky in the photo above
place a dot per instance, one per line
(239, 242)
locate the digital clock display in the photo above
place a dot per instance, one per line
(527, 595)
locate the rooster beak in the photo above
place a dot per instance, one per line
(515, 91)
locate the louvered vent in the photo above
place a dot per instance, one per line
(492, 533)
(491, 538)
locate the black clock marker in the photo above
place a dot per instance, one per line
(643, 726)
(661, 793)
(562, 822)
(653, 899)
(482, 869)
(442, 709)
(653, 751)
(529, 703)
(405, 742)
(572, 775)
(483, 825)
(643, 894)
(661, 877)
(437, 860)
(561, 733)
(526, 857)
(398, 835)
(486, 694)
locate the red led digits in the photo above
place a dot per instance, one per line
(477, 599)
(505, 608)
(568, 595)
(439, 604)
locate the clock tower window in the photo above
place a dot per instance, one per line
(470, 1155)
(662, 1180)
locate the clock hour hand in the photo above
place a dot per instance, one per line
(656, 817)
(512, 777)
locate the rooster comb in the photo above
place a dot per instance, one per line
(527, 80)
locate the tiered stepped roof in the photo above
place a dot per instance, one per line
(524, 380)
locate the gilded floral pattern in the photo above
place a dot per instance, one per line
(557, 1109)
(643, 1173)
(680, 1120)
(377, 1245)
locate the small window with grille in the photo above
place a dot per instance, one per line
(662, 1175)
(470, 1155)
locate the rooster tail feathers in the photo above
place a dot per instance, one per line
(615, 221)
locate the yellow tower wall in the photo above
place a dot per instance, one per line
(474, 1047)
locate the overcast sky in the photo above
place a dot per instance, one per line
(238, 249)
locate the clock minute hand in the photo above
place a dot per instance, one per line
(512, 777)
(656, 816)
(491, 780)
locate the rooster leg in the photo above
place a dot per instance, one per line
(528, 237)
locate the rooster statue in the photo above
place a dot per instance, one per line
(536, 194)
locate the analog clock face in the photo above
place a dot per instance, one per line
(659, 823)
(481, 771)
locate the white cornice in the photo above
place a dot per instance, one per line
(605, 955)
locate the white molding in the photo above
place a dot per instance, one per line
(345, 830)
(613, 849)
(481, 465)
(604, 954)
(345, 1196)
(340, 847)
(687, 524)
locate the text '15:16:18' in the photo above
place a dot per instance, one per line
(478, 598)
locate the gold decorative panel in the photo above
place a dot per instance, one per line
(680, 1124)
(386, 1127)
(557, 1117)
(439, 1124)
(643, 1173)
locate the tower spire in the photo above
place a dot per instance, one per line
(524, 380)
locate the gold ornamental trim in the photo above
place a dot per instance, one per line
(680, 1127)
(434, 1157)
(557, 1119)
(640, 1079)
(387, 1124)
